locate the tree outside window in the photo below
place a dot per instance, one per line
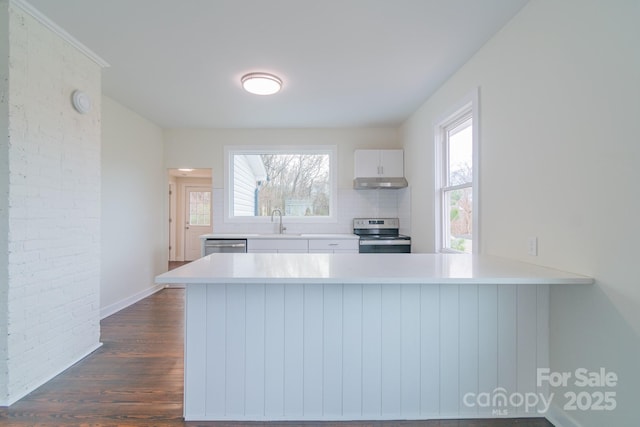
(300, 182)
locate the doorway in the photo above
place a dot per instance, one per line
(190, 212)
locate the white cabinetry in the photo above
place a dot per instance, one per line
(378, 163)
(302, 245)
(333, 246)
(283, 246)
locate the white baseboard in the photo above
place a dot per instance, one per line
(560, 418)
(13, 399)
(117, 306)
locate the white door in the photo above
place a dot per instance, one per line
(198, 219)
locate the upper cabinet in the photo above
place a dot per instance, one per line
(379, 169)
(379, 163)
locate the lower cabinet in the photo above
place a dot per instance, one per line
(285, 246)
(324, 246)
(333, 246)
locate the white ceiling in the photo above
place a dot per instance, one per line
(345, 63)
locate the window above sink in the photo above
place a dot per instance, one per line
(300, 181)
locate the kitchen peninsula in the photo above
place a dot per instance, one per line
(362, 336)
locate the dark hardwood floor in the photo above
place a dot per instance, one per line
(176, 264)
(135, 379)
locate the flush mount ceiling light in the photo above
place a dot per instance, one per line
(261, 83)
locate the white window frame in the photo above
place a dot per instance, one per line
(468, 106)
(230, 151)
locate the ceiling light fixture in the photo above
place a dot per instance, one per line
(261, 83)
(185, 170)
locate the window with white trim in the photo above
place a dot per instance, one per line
(456, 180)
(200, 208)
(298, 181)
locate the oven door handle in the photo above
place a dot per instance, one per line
(371, 242)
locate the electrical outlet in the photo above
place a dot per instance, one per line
(532, 248)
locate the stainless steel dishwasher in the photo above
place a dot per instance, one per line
(214, 246)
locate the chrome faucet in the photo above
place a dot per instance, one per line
(280, 227)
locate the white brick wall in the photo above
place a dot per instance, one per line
(4, 194)
(53, 235)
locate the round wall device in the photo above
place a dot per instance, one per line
(81, 101)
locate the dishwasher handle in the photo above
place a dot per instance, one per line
(225, 245)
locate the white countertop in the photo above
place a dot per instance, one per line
(278, 236)
(364, 268)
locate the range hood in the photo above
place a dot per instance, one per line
(373, 183)
(379, 169)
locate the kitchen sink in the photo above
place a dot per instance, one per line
(277, 235)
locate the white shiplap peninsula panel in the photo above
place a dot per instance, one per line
(274, 353)
(359, 351)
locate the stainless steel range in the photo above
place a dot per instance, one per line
(380, 236)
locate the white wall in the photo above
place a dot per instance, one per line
(134, 226)
(53, 206)
(203, 148)
(559, 154)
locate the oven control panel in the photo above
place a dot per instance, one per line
(363, 223)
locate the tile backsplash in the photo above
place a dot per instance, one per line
(351, 204)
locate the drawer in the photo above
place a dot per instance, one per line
(334, 244)
(276, 245)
